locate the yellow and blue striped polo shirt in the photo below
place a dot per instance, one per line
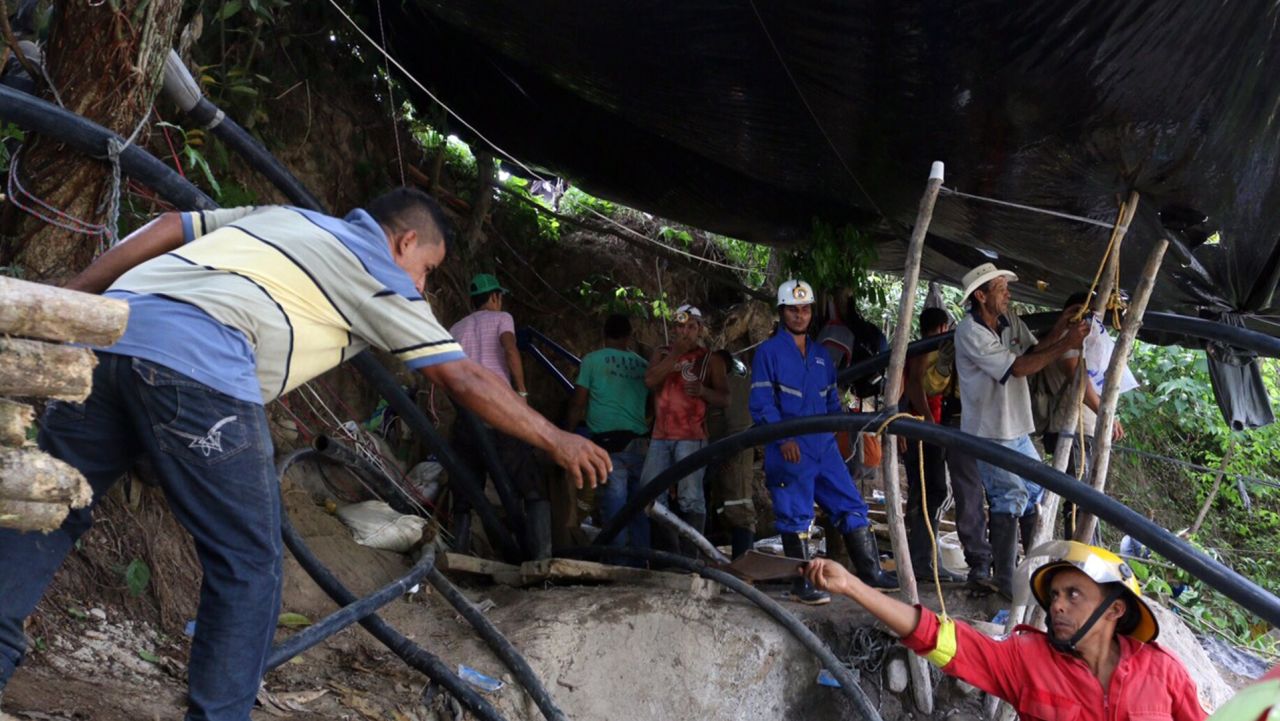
(260, 300)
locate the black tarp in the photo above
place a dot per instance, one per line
(685, 109)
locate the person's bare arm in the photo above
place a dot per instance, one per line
(715, 389)
(484, 393)
(1066, 335)
(661, 363)
(827, 575)
(509, 348)
(577, 408)
(151, 240)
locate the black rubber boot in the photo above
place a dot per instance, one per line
(1003, 528)
(698, 522)
(921, 546)
(743, 540)
(1027, 528)
(866, 559)
(797, 546)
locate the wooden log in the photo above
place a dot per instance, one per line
(31, 515)
(15, 420)
(28, 474)
(45, 370)
(921, 686)
(50, 313)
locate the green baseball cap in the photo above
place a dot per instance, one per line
(485, 283)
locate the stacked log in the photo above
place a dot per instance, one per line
(37, 490)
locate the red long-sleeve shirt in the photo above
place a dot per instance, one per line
(1044, 684)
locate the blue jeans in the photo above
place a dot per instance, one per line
(1008, 492)
(624, 484)
(213, 456)
(664, 454)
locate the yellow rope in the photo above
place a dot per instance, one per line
(1093, 287)
(924, 505)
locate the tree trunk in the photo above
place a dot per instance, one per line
(45, 370)
(106, 64)
(35, 310)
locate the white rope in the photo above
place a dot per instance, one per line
(1033, 209)
(500, 151)
(114, 149)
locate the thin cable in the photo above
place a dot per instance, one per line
(391, 101)
(662, 295)
(804, 101)
(500, 151)
(1031, 208)
(1196, 466)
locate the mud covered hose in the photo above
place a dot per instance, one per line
(848, 682)
(412, 654)
(183, 90)
(87, 137)
(1246, 593)
(500, 646)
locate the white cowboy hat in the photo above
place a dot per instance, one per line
(982, 274)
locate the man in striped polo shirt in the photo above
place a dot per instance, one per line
(229, 309)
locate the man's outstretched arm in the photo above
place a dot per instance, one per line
(486, 395)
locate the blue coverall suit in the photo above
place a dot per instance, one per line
(786, 384)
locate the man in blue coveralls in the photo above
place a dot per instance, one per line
(793, 377)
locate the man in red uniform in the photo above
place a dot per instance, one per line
(1098, 662)
(685, 378)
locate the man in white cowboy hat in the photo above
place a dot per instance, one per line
(995, 352)
(792, 376)
(685, 378)
(1098, 660)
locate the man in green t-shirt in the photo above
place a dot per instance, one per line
(611, 394)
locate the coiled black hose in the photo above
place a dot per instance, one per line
(1248, 594)
(32, 113)
(500, 646)
(412, 654)
(848, 682)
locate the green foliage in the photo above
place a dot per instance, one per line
(148, 656)
(601, 294)
(522, 220)
(751, 256)
(579, 204)
(9, 135)
(293, 620)
(836, 257)
(136, 576)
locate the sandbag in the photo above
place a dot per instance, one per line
(376, 525)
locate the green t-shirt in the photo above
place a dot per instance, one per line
(615, 381)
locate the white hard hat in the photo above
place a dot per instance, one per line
(686, 313)
(795, 292)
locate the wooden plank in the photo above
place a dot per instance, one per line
(44, 311)
(28, 474)
(15, 420)
(45, 370)
(566, 569)
(463, 563)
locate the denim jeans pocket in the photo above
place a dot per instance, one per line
(62, 414)
(191, 421)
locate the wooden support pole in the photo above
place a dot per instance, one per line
(47, 312)
(31, 515)
(1111, 388)
(922, 687)
(45, 370)
(15, 420)
(27, 474)
(1217, 484)
(1033, 614)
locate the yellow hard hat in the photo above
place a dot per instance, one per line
(1102, 566)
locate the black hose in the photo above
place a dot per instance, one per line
(1183, 326)
(1248, 594)
(36, 115)
(482, 436)
(412, 654)
(374, 478)
(848, 682)
(500, 646)
(460, 477)
(258, 157)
